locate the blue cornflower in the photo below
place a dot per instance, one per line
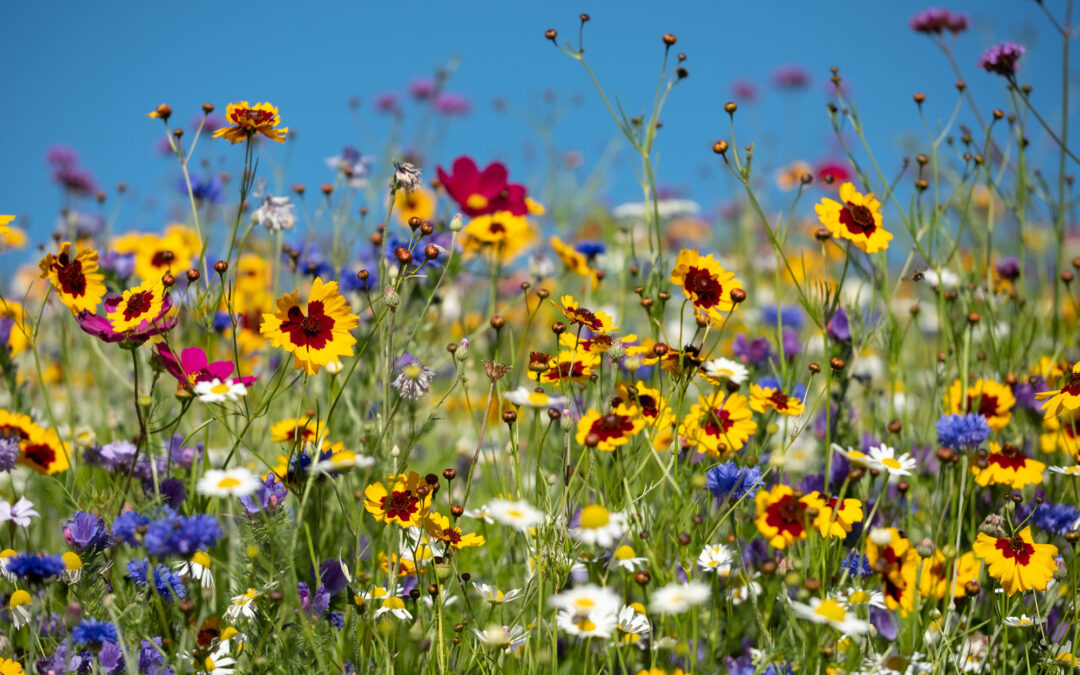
(789, 316)
(337, 619)
(86, 532)
(590, 249)
(857, 564)
(269, 496)
(35, 568)
(181, 535)
(151, 657)
(94, 632)
(957, 432)
(167, 583)
(1055, 518)
(111, 658)
(125, 527)
(205, 188)
(731, 481)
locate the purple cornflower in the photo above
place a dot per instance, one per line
(181, 535)
(1002, 59)
(839, 329)
(204, 187)
(92, 631)
(958, 432)
(451, 104)
(792, 76)
(86, 532)
(9, 453)
(754, 352)
(125, 527)
(729, 481)
(267, 497)
(313, 605)
(422, 88)
(35, 568)
(167, 583)
(857, 564)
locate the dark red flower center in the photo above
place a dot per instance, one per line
(586, 318)
(779, 400)
(704, 286)
(70, 275)
(400, 505)
(987, 404)
(161, 258)
(718, 422)
(611, 426)
(138, 304)
(246, 117)
(648, 405)
(1009, 458)
(12, 431)
(564, 370)
(450, 536)
(1016, 548)
(314, 330)
(41, 454)
(858, 219)
(496, 227)
(787, 514)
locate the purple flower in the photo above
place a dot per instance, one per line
(838, 328)
(9, 453)
(35, 568)
(92, 631)
(179, 455)
(387, 102)
(125, 527)
(313, 605)
(1008, 268)
(744, 91)
(182, 535)
(958, 432)
(86, 532)
(755, 352)
(267, 497)
(791, 76)
(120, 264)
(792, 345)
(422, 88)
(1002, 59)
(204, 187)
(76, 180)
(936, 20)
(167, 583)
(729, 481)
(111, 658)
(1055, 518)
(451, 104)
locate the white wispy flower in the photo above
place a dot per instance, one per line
(857, 597)
(238, 482)
(677, 598)
(587, 598)
(482, 512)
(1066, 470)
(242, 606)
(19, 513)
(342, 460)
(667, 208)
(275, 214)
(633, 626)
(216, 391)
(503, 637)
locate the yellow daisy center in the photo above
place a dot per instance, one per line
(624, 552)
(831, 610)
(594, 517)
(476, 202)
(220, 388)
(891, 462)
(228, 482)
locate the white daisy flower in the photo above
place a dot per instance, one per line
(72, 567)
(633, 625)
(529, 398)
(519, 515)
(482, 512)
(717, 558)
(1066, 470)
(236, 482)
(742, 588)
(242, 606)
(493, 596)
(626, 558)
(1022, 621)
(595, 624)
(395, 607)
(832, 612)
(599, 527)
(220, 661)
(857, 597)
(725, 369)
(588, 598)
(19, 605)
(216, 391)
(885, 458)
(677, 598)
(854, 456)
(198, 568)
(503, 637)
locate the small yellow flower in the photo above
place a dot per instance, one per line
(857, 219)
(248, 120)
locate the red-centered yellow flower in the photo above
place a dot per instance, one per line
(138, 305)
(75, 279)
(718, 424)
(988, 398)
(607, 432)
(856, 217)
(401, 504)
(174, 251)
(44, 452)
(1066, 399)
(835, 517)
(303, 430)
(705, 284)
(597, 322)
(781, 516)
(10, 667)
(317, 336)
(16, 426)
(763, 399)
(1008, 465)
(19, 336)
(675, 361)
(936, 571)
(599, 343)
(567, 366)
(420, 203)
(1017, 562)
(651, 405)
(500, 234)
(248, 120)
(575, 261)
(899, 569)
(438, 527)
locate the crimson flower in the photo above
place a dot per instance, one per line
(483, 192)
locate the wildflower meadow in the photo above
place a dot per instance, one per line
(423, 412)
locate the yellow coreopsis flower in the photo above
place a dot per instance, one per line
(75, 278)
(248, 120)
(857, 219)
(438, 527)
(1017, 562)
(318, 336)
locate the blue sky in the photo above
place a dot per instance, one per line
(85, 75)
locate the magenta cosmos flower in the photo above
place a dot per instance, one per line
(482, 192)
(193, 366)
(101, 328)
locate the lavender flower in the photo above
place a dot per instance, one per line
(1002, 59)
(9, 453)
(86, 532)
